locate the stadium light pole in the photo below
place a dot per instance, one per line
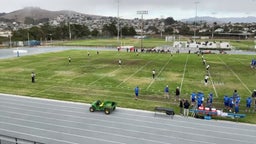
(196, 3)
(10, 36)
(118, 22)
(141, 33)
(28, 39)
(69, 30)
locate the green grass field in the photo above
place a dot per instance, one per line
(93, 77)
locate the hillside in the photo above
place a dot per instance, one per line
(35, 13)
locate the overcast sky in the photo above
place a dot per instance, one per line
(178, 9)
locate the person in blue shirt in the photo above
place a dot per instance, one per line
(235, 95)
(199, 101)
(253, 63)
(166, 91)
(230, 103)
(211, 97)
(136, 91)
(236, 106)
(226, 102)
(248, 104)
(193, 99)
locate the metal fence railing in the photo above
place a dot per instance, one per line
(4, 139)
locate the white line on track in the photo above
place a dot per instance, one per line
(84, 130)
(45, 130)
(96, 125)
(74, 104)
(235, 75)
(133, 74)
(36, 136)
(32, 109)
(152, 81)
(161, 129)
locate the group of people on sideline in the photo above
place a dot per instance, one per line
(232, 103)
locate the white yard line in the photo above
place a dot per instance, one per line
(43, 90)
(213, 84)
(183, 76)
(152, 81)
(235, 75)
(103, 77)
(133, 74)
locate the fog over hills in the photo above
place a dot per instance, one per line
(38, 13)
(250, 19)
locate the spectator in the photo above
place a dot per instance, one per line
(248, 104)
(177, 93)
(226, 102)
(166, 91)
(33, 77)
(230, 103)
(186, 108)
(254, 105)
(235, 95)
(193, 99)
(253, 63)
(181, 106)
(254, 94)
(136, 91)
(236, 106)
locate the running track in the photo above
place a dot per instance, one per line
(57, 122)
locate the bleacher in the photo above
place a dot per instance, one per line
(205, 45)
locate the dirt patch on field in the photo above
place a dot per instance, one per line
(66, 73)
(13, 70)
(139, 81)
(173, 76)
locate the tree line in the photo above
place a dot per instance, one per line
(67, 31)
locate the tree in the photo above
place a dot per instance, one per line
(153, 29)
(168, 30)
(169, 21)
(94, 32)
(109, 29)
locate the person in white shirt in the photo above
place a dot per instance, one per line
(207, 67)
(206, 77)
(153, 73)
